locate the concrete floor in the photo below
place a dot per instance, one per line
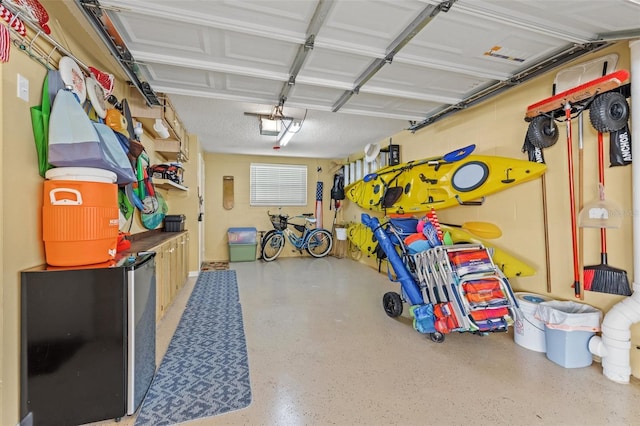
(323, 352)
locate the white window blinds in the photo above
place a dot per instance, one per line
(278, 185)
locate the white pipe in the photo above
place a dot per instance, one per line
(634, 47)
(615, 343)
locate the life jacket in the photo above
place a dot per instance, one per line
(337, 192)
(484, 293)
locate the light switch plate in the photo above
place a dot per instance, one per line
(23, 88)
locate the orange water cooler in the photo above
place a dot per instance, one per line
(79, 221)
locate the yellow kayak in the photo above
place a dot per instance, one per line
(510, 265)
(417, 186)
(362, 237)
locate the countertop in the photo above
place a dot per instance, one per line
(145, 241)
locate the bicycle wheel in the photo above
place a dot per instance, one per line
(319, 243)
(263, 238)
(272, 246)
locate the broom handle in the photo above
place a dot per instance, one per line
(547, 256)
(603, 231)
(581, 199)
(572, 202)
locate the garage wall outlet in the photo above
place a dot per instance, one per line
(23, 88)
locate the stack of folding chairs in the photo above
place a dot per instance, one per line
(467, 290)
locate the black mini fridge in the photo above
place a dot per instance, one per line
(87, 341)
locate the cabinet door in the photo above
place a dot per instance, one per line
(171, 272)
(173, 268)
(160, 281)
(185, 258)
(180, 246)
(166, 272)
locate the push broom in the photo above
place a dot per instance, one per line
(603, 278)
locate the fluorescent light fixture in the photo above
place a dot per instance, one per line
(270, 127)
(288, 132)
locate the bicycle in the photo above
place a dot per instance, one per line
(317, 242)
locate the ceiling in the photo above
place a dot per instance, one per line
(354, 71)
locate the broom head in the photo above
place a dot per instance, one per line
(606, 279)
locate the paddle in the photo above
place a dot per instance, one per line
(481, 229)
(450, 157)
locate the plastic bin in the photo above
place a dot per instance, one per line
(568, 327)
(242, 252)
(242, 235)
(174, 223)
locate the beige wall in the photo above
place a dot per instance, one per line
(497, 127)
(21, 229)
(218, 220)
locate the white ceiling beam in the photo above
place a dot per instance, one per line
(475, 9)
(225, 96)
(418, 96)
(169, 12)
(143, 57)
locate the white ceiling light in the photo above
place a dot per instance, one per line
(289, 130)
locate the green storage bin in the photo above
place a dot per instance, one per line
(242, 252)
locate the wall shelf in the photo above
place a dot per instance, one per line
(168, 184)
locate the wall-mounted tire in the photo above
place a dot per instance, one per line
(542, 132)
(609, 112)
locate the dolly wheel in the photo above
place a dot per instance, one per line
(392, 304)
(542, 132)
(609, 112)
(436, 337)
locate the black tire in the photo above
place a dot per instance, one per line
(319, 243)
(542, 132)
(437, 337)
(609, 112)
(392, 304)
(272, 245)
(263, 239)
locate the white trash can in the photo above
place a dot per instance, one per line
(568, 328)
(529, 331)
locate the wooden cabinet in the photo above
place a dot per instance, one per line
(176, 146)
(172, 150)
(171, 271)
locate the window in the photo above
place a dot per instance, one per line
(278, 185)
